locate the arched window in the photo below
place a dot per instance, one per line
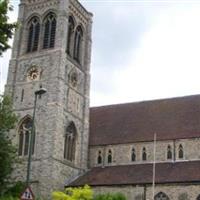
(198, 198)
(99, 158)
(33, 34)
(109, 156)
(180, 151)
(169, 152)
(49, 31)
(133, 156)
(24, 137)
(71, 25)
(78, 43)
(70, 142)
(144, 154)
(161, 196)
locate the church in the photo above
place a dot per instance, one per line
(111, 148)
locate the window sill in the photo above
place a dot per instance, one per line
(69, 163)
(72, 60)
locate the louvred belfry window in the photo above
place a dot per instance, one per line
(24, 137)
(49, 31)
(33, 34)
(70, 34)
(78, 43)
(70, 142)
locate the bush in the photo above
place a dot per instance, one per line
(80, 193)
(85, 193)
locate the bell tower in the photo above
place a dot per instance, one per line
(51, 49)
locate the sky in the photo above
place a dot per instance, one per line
(141, 50)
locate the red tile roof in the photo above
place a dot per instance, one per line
(175, 118)
(179, 172)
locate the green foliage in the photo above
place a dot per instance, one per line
(80, 193)
(7, 151)
(110, 196)
(16, 189)
(85, 193)
(8, 198)
(7, 116)
(6, 29)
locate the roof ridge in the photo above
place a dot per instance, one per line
(146, 101)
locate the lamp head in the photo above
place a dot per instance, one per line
(40, 91)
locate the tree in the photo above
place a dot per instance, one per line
(6, 28)
(7, 150)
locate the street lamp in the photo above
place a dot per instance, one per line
(37, 92)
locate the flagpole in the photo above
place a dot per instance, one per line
(154, 166)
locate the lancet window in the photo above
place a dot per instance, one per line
(70, 142)
(169, 152)
(22, 95)
(71, 25)
(133, 156)
(78, 43)
(180, 151)
(24, 137)
(99, 158)
(109, 156)
(144, 154)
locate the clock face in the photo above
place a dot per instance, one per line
(33, 74)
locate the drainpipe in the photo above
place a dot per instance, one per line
(145, 192)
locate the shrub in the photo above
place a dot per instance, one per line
(79, 193)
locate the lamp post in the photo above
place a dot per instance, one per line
(37, 92)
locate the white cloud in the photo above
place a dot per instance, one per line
(167, 63)
(164, 63)
(4, 69)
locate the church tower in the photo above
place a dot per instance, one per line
(52, 49)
